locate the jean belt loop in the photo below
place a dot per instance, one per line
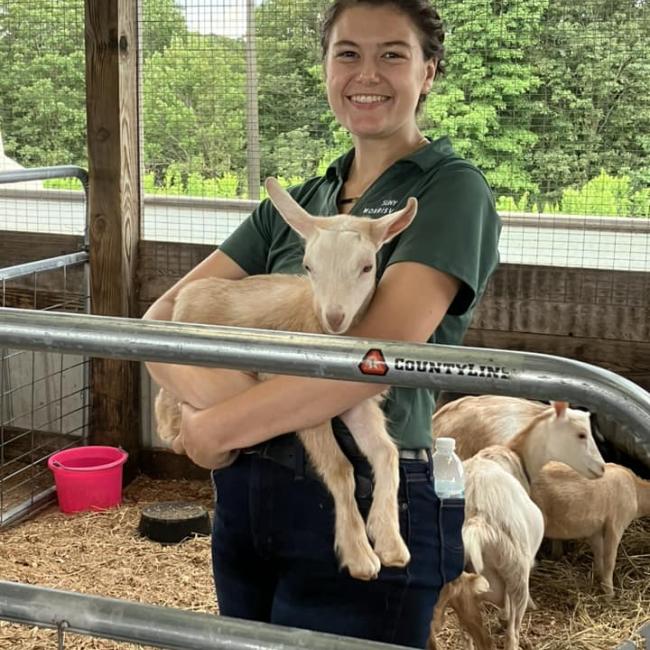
(429, 464)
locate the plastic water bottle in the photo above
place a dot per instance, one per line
(448, 474)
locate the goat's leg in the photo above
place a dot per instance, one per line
(367, 424)
(611, 540)
(596, 543)
(168, 415)
(557, 549)
(335, 470)
(517, 596)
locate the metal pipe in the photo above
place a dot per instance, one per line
(161, 627)
(455, 368)
(45, 174)
(20, 270)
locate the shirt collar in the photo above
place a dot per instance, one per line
(425, 158)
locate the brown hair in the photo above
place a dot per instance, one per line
(423, 15)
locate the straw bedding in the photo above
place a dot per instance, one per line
(101, 553)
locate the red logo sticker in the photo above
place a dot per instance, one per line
(374, 363)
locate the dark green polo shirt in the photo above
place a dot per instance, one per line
(456, 230)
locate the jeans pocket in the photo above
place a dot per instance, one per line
(450, 526)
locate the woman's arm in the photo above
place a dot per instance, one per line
(193, 384)
(409, 304)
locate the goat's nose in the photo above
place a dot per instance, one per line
(334, 318)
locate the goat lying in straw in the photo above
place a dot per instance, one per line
(340, 254)
(503, 528)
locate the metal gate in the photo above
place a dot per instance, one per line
(44, 396)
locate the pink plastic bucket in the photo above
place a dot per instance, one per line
(88, 478)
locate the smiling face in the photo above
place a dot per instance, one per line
(375, 71)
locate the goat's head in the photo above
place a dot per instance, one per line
(570, 440)
(340, 255)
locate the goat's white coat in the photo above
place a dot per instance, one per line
(600, 510)
(503, 527)
(340, 254)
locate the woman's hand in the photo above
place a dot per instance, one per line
(192, 441)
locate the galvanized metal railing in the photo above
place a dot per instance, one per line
(177, 629)
(45, 174)
(460, 369)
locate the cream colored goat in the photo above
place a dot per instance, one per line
(479, 421)
(503, 528)
(340, 254)
(600, 511)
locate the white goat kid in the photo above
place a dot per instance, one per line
(600, 511)
(340, 260)
(503, 528)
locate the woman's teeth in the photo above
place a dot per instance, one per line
(369, 99)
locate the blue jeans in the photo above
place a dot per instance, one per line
(273, 557)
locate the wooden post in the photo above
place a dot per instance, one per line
(115, 208)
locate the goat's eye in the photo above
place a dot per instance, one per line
(307, 268)
(367, 268)
(582, 436)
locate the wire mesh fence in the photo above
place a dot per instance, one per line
(44, 398)
(551, 99)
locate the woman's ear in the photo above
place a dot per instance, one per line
(430, 68)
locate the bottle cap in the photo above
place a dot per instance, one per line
(445, 444)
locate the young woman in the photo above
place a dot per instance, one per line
(273, 532)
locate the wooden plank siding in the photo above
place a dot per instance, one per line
(115, 207)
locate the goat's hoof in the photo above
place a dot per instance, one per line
(393, 553)
(531, 606)
(365, 564)
(358, 557)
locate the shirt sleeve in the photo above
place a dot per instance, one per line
(249, 243)
(456, 230)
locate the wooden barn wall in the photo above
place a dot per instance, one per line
(595, 316)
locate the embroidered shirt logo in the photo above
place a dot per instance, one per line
(386, 206)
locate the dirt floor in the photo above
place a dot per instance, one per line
(101, 553)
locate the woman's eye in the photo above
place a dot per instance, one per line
(348, 54)
(392, 55)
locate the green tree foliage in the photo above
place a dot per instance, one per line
(594, 108)
(193, 104)
(491, 78)
(291, 95)
(42, 77)
(551, 98)
(162, 20)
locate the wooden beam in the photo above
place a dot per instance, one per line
(115, 207)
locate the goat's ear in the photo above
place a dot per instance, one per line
(296, 216)
(382, 230)
(560, 409)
